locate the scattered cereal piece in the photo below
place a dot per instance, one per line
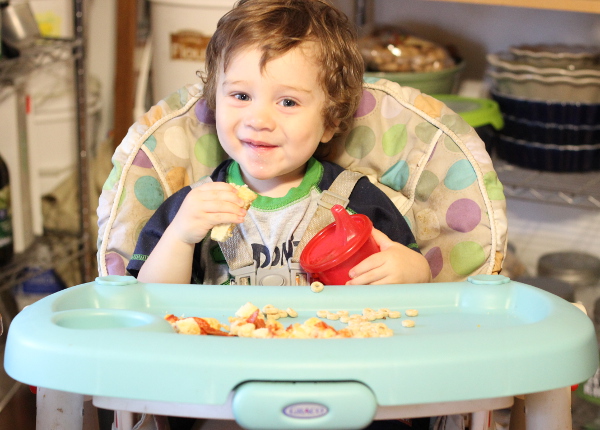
(283, 314)
(343, 313)
(322, 314)
(394, 314)
(291, 313)
(332, 316)
(367, 311)
(408, 323)
(411, 312)
(384, 311)
(345, 319)
(316, 287)
(270, 309)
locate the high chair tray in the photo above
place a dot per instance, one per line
(483, 338)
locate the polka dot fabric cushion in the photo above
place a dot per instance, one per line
(425, 157)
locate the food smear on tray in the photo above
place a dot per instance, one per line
(251, 321)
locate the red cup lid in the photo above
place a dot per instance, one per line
(332, 245)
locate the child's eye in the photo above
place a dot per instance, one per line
(241, 96)
(288, 103)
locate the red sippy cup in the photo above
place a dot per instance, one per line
(340, 246)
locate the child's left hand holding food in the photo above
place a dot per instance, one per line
(394, 264)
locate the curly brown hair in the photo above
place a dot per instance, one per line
(276, 27)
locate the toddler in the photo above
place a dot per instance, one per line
(282, 77)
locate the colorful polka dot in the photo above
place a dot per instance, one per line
(371, 79)
(142, 160)
(113, 176)
(466, 257)
(174, 100)
(456, 123)
(427, 183)
(425, 132)
(451, 145)
(151, 143)
(390, 107)
(360, 142)
(123, 197)
(148, 192)
(436, 261)
(177, 141)
(177, 178)
(156, 112)
(460, 175)
(428, 225)
(431, 106)
(394, 140)
(493, 186)
(367, 104)
(203, 113)
(397, 176)
(114, 264)
(208, 150)
(463, 215)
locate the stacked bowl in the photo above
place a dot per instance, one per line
(549, 96)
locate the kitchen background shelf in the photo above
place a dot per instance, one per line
(44, 52)
(572, 189)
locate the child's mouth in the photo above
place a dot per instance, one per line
(259, 146)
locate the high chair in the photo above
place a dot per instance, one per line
(424, 157)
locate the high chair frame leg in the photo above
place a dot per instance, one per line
(58, 410)
(482, 420)
(549, 410)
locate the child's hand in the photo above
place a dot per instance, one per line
(394, 264)
(203, 208)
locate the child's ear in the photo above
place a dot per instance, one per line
(330, 132)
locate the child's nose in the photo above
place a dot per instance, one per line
(260, 117)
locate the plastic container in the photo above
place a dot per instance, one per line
(340, 246)
(180, 32)
(438, 82)
(580, 269)
(36, 288)
(482, 114)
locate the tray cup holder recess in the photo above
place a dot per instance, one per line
(118, 292)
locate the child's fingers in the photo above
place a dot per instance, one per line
(382, 240)
(217, 191)
(366, 271)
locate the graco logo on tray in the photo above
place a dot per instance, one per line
(305, 410)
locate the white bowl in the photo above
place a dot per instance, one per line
(547, 88)
(557, 55)
(506, 62)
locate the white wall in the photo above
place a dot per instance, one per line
(101, 35)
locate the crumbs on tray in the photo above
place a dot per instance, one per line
(251, 321)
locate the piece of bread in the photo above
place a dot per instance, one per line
(222, 232)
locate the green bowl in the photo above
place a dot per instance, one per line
(440, 82)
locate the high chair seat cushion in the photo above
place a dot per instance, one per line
(424, 156)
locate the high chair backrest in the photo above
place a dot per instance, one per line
(425, 157)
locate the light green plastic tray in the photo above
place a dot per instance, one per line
(488, 337)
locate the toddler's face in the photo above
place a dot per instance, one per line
(271, 121)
